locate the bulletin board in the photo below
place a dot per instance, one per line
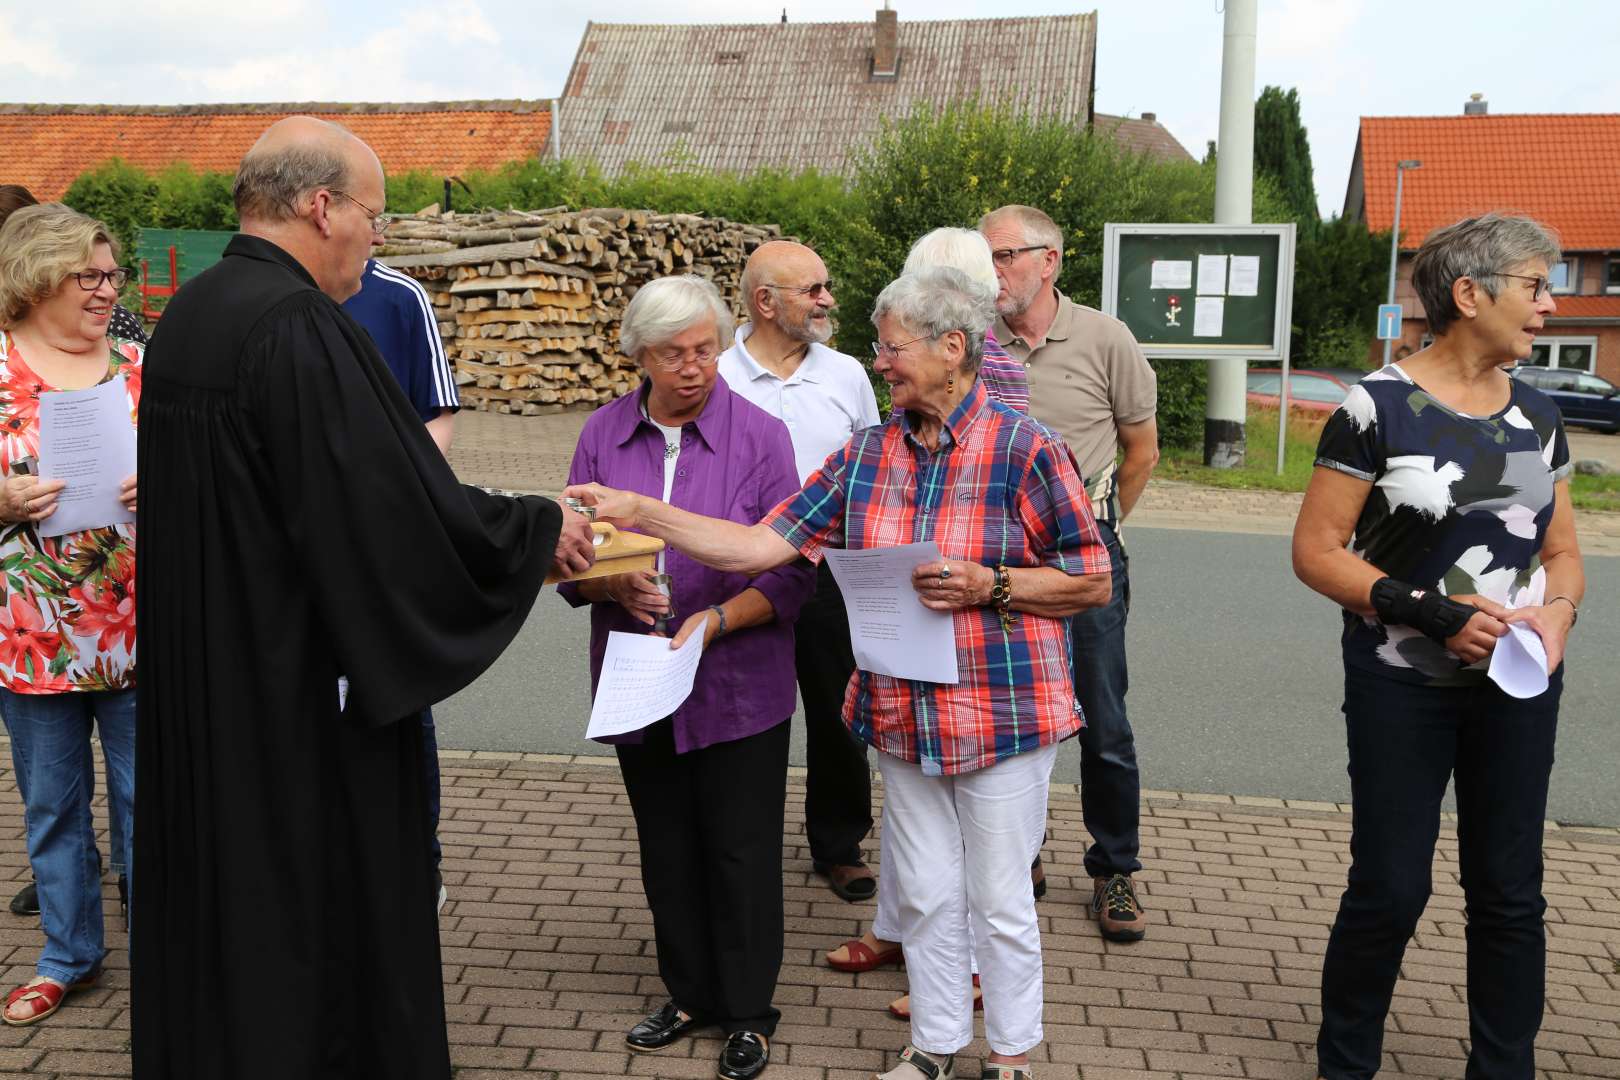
(1199, 291)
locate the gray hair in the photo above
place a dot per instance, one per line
(1483, 248)
(270, 184)
(663, 308)
(958, 249)
(935, 301)
(1036, 225)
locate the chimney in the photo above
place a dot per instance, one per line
(1151, 118)
(886, 44)
(1476, 105)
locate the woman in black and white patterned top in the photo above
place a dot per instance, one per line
(1438, 518)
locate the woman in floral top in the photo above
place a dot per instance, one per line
(67, 603)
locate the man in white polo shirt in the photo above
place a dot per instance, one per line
(780, 363)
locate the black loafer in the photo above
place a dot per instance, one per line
(26, 902)
(661, 1028)
(744, 1056)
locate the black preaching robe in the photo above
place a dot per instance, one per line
(296, 524)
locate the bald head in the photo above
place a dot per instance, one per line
(293, 158)
(775, 263)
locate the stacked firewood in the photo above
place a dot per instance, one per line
(529, 303)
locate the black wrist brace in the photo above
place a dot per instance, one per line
(1431, 614)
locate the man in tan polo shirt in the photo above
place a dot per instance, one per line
(1089, 382)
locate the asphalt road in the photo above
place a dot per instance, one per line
(1236, 681)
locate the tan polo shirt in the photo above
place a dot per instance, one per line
(1086, 377)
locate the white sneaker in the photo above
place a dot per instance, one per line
(917, 1065)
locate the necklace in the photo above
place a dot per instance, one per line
(671, 449)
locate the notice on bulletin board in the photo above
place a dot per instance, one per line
(1245, 279)
(1172, 274)
(1209, 316)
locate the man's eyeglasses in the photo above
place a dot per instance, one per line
(805, 290)
(1004, 256)
(90, 280)
(379, 220)
(880, 350)
(1542, 285)
(703, 358)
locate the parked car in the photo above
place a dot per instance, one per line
(1583, 398)
(1308, 389)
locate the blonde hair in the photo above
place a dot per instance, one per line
(1036, 225)
(40, 246)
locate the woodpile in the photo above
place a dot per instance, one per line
(529, 303)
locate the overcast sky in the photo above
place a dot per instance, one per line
(1347, 58)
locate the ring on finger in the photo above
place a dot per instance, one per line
(944, 573)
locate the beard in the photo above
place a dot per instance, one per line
(811, 329)
(1014, 305)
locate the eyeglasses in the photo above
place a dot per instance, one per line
(704, 358)
(805, 290)
(1004, 256)
(379, 220)
(90, 280)
(880, 350)
(1542, 285)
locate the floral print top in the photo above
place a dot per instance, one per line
(67, 603)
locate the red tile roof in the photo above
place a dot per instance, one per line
(1587, 307)
(47, 146)
(1561, 169)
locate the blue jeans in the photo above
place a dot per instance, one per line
(50, 745)
(1406, 742)
(1110, 787)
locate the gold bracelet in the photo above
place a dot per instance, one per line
(1001, 597)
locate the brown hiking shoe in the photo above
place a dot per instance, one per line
(1117, 911)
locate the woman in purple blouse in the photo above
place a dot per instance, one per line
(708, 783)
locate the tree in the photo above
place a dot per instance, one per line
(1282, 152)
(1339, 280)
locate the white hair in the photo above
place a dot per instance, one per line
(958, 249)
(934, 301)
(663, 308)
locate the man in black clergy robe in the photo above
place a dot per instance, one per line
(297, 525)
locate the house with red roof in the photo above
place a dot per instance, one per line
(48, 146)
(1561, 169)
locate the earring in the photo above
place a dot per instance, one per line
(950, 382)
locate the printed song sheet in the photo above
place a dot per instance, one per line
(891, 631)
(1245, 279)
(643, 680)
(1209, 316)
(1172, 274)
(1519, 662)
(1212, 275)
(86, 439)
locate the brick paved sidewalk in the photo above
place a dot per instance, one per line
(548, 956)
(531, 453)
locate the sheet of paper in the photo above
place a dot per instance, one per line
(1245, 276)
(643, 680)
(1212, 275)
(891, 631)
(1209, 316)
(1519, 662)
(86, 439)
(1172, 274)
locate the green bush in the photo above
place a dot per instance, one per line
(1182, 386)
(126, 199)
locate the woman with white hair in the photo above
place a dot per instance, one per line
(965, 765)
(708, 783)
(968, 251)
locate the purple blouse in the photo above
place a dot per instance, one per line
(1003, 375)
(736, 463)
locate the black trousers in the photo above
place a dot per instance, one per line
(709, 824)
(838, 789)
(1405, 743)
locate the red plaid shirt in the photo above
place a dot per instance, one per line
(1001, 489)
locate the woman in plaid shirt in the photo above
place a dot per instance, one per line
(965, 766)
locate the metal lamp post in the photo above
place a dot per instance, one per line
(1395, 237)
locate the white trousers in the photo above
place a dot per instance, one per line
(957, 851)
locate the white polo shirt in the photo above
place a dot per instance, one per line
(824, 402)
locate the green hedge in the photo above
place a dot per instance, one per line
(922, 171)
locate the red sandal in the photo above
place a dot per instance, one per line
(45, 990)
(862, 957)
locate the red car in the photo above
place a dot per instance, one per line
(1312, 391)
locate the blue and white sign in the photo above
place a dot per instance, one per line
(1389, 322)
